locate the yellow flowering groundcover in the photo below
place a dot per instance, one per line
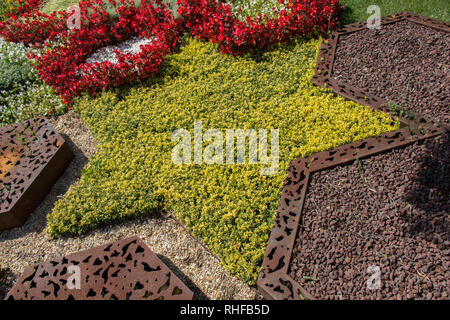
(230, 208)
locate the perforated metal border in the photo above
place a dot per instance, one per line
(34, 171)
(274, 281)
(122, 270)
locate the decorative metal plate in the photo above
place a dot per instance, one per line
(32, 157)
(122, 270)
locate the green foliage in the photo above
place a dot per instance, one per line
(4, 9)
(357, 9)
(401, 111)
(22, 94)
(7, 6)
(253, 8)
(15, 67)
(229, 207)
(55, 5)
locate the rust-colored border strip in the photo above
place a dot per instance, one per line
(274, 281)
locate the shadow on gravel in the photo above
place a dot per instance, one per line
(38, 219)
(198, 294)
(428, 193)
(7, 279)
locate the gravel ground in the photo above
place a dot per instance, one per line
(390, 211)
(184, 254)
(402, 62)
(132, 46)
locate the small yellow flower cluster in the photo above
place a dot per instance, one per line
(231, 208)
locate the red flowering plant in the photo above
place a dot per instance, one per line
(215, 21)
(26, 6)
(65, 68)
(28, 25)
(9, 8)
(63, 64)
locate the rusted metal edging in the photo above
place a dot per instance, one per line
(121, 270)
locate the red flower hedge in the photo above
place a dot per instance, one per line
(30, 26)
(24, 6)
(65, 69)
(213, 20)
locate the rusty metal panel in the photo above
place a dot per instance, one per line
(32, 157)
(123, 270)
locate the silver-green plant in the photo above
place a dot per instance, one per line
(23, 94)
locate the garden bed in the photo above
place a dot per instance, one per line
(185, 255)
(367, 90)
(403, 62)
(23, 95)
(322, 254)
(274, 281)
(69, 66)
(229, 208)
(390, 211)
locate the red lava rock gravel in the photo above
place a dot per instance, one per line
(390, 211)
(405, 63)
